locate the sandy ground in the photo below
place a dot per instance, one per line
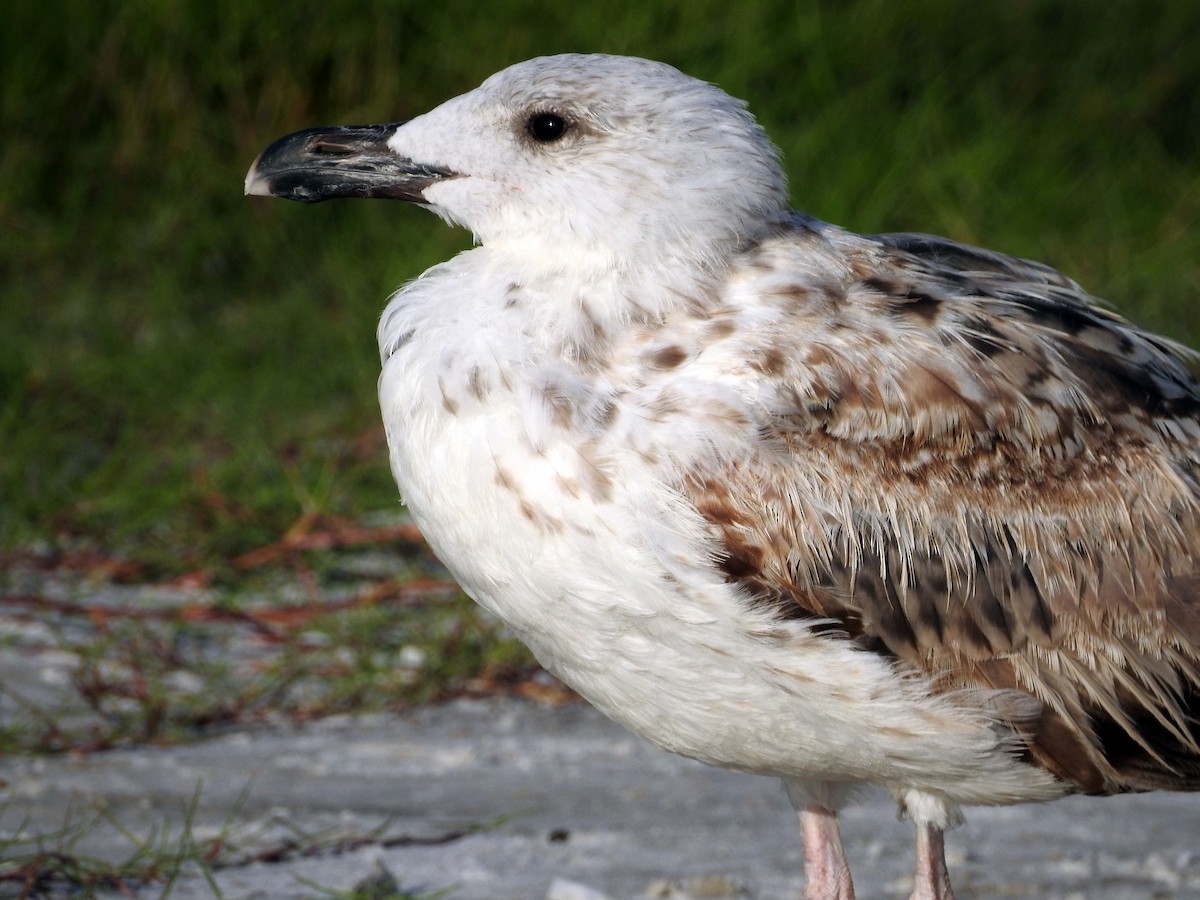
(505, 799)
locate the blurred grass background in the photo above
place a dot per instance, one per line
(184, 372)
(187, 375)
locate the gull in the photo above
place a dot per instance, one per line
(847, 510)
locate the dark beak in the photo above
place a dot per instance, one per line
(344, 161)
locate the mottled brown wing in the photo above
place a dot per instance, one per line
(973, 468)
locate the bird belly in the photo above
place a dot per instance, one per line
(633, 615)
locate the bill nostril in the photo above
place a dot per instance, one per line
(326, 148)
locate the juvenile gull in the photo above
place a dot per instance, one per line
(838, 508)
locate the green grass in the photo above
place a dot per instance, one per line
(183, 371)
(53, 864)
(154, 672)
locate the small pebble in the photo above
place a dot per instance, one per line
(562, 889)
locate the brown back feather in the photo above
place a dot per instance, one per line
(973, 468)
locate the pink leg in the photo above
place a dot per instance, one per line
(932, 881)
(827, 877)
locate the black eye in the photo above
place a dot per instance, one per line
(547, 127)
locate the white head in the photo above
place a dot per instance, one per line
(599, 161)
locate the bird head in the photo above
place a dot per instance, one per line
(592, 159)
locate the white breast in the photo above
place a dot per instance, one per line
(546, 489)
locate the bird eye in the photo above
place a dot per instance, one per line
(547, 127)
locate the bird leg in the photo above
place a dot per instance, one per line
(826, 875)
(932, 879)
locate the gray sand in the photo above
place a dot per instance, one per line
(572, 807)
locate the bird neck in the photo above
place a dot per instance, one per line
(576, 315)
